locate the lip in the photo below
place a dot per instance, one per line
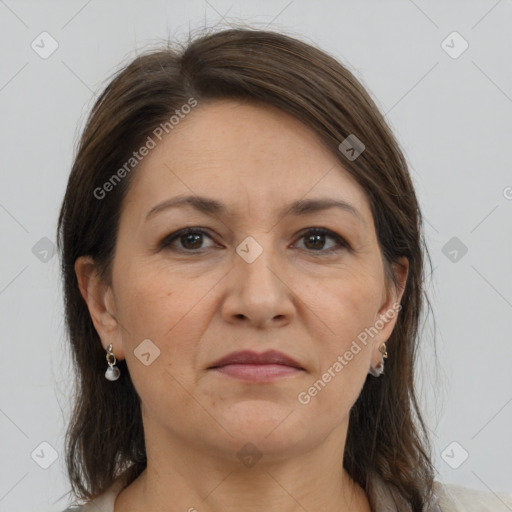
(253, 367)
(248, 357)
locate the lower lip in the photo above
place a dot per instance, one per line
(257, 372)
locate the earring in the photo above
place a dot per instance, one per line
(379, 369)
(111, 373)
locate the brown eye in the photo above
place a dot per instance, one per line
(190, 240)
(315, 240)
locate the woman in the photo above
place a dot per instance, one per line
(242, 243)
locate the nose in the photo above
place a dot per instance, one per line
(258, 293)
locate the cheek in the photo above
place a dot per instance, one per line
(349, 305)
(153, 302)
(167, 309)
(152, 308)
(348, 309)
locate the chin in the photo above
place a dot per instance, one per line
(264, 423)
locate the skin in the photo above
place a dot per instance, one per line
(200, 305)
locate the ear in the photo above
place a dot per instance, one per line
(100, 302)
(389, 310)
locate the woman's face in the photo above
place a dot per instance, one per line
(251, 275)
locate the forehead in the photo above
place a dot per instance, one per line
(245, 155)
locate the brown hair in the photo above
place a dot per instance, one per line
(105, 436)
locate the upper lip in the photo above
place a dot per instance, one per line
(250, 357)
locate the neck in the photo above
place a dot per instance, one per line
(181, 477)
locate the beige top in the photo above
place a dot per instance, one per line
(449, 498)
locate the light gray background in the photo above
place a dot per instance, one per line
(451, 115)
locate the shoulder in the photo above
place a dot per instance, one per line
(457, 498)
(79, 508)
(104, 502)
(92, 506)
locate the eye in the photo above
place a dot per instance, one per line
(315, 240)
(191, 240)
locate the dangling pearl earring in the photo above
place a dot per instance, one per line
(379, 369)
(111, 373)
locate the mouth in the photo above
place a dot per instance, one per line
(253, 367)
(257, 372)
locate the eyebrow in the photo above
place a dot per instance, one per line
(213, 207)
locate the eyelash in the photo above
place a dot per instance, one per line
(342, 243)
